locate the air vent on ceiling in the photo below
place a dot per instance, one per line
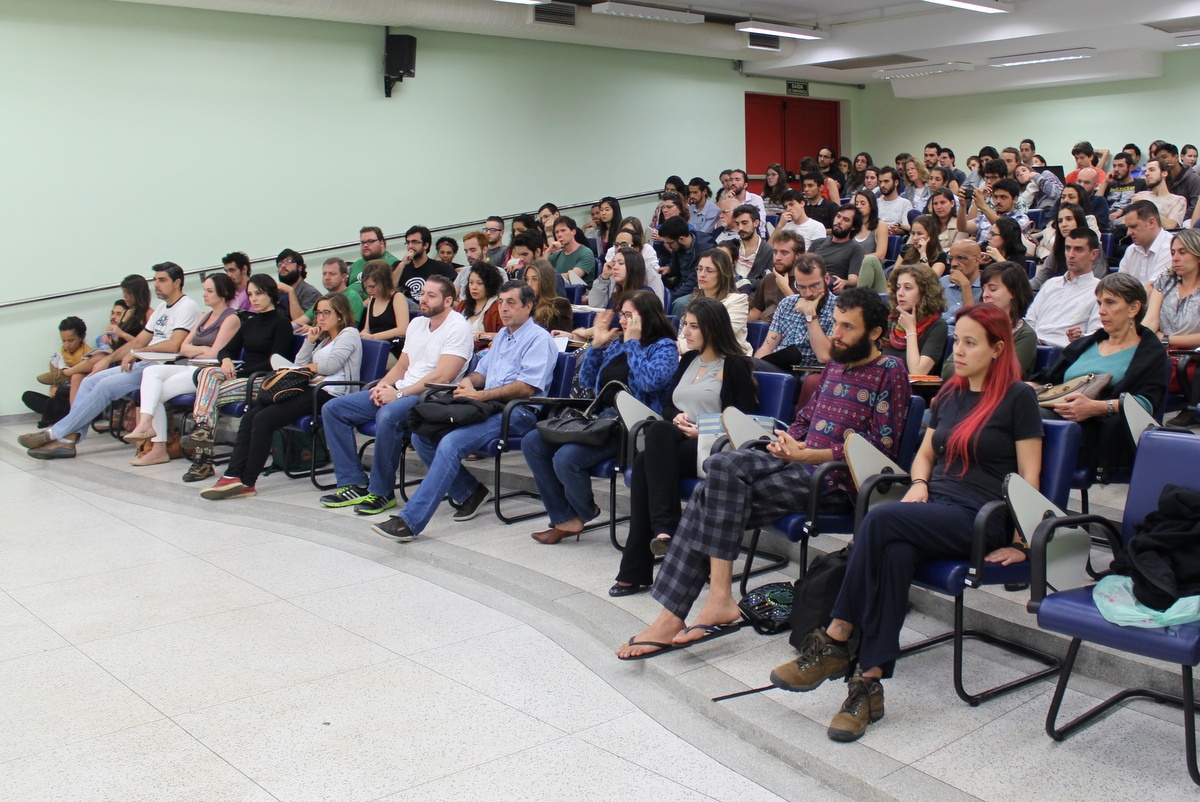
(1181, 25)
(555, 14)
(870, 62)
(762, 41)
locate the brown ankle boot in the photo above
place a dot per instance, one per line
(863, 706)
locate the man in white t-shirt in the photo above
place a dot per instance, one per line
(437, 348)
(795, 218)
(169, 325)
(1065, 307)
(893, 209)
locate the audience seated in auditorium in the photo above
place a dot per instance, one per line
(415, 267)
(1067, 218)
(1089, 180)
(684, 247)
(371, 245)
(1064, 308)
(497, 251)
(970, 447)
(1150, 252)
(1006, 286)
(943, 206)
(333, 351)
(916, 332)
(1122, 347)
(893, 209)
(71, 355)
(632, 235)
(842, 257)
(1173, 313)
(551, 311)
(264, 332)
(946, 159)
(639, 356)
(436, 349)
(1087, 158)
(574, 262)
(861, 391)
(445, 250)
(170, 322)
(754, 257)
(925, 246)
(292, 272)
(475, 249)
(161, 383)
(1122, 188)
(795, 218)
(1039, 190)
(715, 279)
(816, 206)
(1181, 180)
(872, 235)
(803, 324)
(520, 364)
(1172, 209)
(916, 189)
(610, 222)
(775, 183)
(738, 191)
(625, 274)
(702, 209)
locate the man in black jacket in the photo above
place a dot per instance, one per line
(685, 247)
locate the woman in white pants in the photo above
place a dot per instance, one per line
(163, 382)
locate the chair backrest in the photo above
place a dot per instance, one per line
(297, 344)
(667, 300)
(574, 293)
(775, 394)
(893, 248)
(1106, 244)
(375, 355)
(582, 320)
(756, 334)
(1036, 218)
(1047, 355)
(564, 375)
(1060, 450)
(913, 214)
(1162, 458)
(910, 438)
(1030, 268)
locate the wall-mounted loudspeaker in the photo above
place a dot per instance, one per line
(399, 60)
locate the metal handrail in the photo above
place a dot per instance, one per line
(312, 251)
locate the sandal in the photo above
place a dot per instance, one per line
(660, 545)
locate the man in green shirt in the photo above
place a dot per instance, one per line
(373, 246)
(574, 262)
(333, 278)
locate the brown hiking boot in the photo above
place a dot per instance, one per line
(863, 705)
(821, 658)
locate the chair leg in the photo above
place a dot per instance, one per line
(960, 634)
(612, 520)
(497, 496)
(776, 561)
(1187, 702)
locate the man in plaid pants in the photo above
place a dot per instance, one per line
(862, 391)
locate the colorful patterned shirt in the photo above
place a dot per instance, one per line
(871, 399)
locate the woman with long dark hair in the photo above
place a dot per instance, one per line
(631, 234)
(385, 312)
(713, 374)
(551, 311)
(479, 306)
(1005, 243)
(332, 350)
(1066, 218)
(943, 206)
(985, 424)
(872, 238)
(624, 274)
(925, 246)
(715, 280)
(610, 221)
(775, 183)
(858, 169)
(640, 355)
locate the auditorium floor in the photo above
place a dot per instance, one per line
(154, 645)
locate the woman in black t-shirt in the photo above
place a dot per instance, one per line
(985, 425)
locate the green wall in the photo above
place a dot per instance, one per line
(1108, 115)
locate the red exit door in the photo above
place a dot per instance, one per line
(786, 129)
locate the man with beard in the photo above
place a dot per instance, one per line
(1171, 208)
(827, 161)
(1122, 186)
(333, 279)
(786, 247)
(371, 245)
(841, 254)
(893, 209)
(802, 325)
(755, 256)
(738, 191)
(292, 272)
(475, 249)
(416, 266)
(437, 347)
(861, 391)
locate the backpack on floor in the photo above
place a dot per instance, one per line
(768, 608)
(294, 452)
(815, 594)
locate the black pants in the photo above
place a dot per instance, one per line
(253, 444)
(780, 361)
(655, 505)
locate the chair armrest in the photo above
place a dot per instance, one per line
(517, 403)
(979, 547)
(881, 482)
(634, 433)
(330, 383)
(814, 493)
(1044, 534)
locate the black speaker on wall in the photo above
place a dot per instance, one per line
(399, 60)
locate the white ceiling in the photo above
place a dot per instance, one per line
(1125, 47)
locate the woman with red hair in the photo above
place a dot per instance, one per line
(985, 425)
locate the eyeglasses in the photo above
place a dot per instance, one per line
(368, 241)
(324, 312)
(627, 316)
(288, 261)
(811, 287)
(414, 242)
(492, 230)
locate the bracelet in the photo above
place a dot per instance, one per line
(1112, 410)
(919, 482)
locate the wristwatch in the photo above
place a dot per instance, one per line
(809, 318)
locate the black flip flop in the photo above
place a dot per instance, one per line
(712, 632)
(662, 648)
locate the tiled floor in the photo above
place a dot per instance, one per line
(157, 646)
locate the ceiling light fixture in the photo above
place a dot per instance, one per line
(923, 70)
(1045, 57)
(525, 2)
(784, 31)
(1188, 41)
(647, 13)
(982, 6)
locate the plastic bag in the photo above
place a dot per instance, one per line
(1114, 599)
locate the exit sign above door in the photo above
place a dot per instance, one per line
(797, 88)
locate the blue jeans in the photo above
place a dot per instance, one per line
(562, 477)
(342, 414)
(446, 472)
(95, 393)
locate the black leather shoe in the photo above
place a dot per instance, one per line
(627, 590)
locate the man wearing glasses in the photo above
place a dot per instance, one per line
(961, 284)
(802, 325)
(333, 279)
(494, 228)
(292, 272)
(372, 246)
(416, 266)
